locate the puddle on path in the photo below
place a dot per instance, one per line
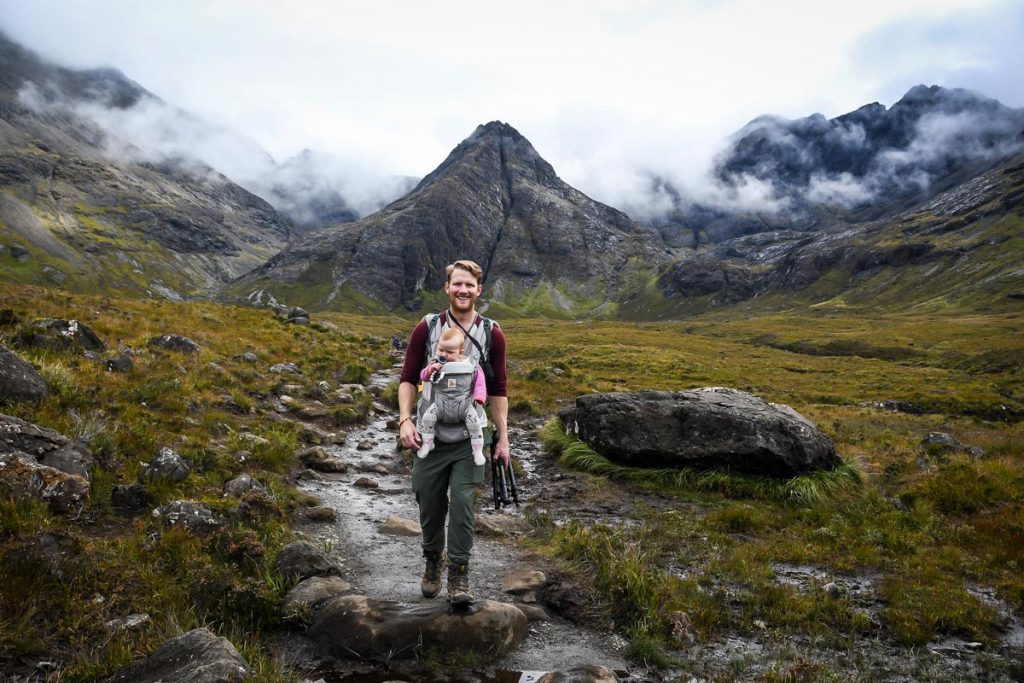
(389, 567)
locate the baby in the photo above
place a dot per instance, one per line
(458, 396)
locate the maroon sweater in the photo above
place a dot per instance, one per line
(416, 357)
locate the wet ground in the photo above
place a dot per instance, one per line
(388, 567)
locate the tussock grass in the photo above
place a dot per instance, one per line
(802, 490)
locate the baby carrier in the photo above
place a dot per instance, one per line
(451, 389)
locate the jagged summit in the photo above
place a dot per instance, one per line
(495, 200)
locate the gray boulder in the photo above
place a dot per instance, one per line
(45, 446)
(355, 625)
(19, 381)
(317, 458)
(60, 335)
(194, 657)
(940, 443)
(194, 517)
(243, 484)
(129, 497)
(174, 342)
(166, 465)
(710, 428)
(301, 560)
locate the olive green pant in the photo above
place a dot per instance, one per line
(447, 468)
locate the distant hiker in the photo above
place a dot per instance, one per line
(450, 472)
(454, 391)
(394, 343)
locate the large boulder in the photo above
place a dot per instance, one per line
(711, 428)
(59, 335)
(194, 657)
(44, 446)
(167, 465)
(19, 381)
(355, 625)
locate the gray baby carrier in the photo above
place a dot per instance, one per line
(454, 392)
(451, 393)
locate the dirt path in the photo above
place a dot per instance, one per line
(389, 567)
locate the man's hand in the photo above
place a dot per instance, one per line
(502, 451)
(410, 437)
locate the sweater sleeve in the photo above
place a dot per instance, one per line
(415, 354)
(479, 386)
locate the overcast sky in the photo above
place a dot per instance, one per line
(603, 88)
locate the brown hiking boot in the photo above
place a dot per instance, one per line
(458, 585)
(430, 585)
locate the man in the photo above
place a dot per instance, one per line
(449, 468)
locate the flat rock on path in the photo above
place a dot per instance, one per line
(371, 628)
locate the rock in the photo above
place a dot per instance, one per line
(895, 406)
(311, 593)
(194, 517)
(589, 673)
(314, 410)
(534, 613)
(8, 317)
(129, 497)
(22, 477)
(301, 560)
(253, 440)
(355, 625)
(375, 468)
(127, 623)
(365, 446)
(523, 581)
(832, 590)
(301, 321)
(711, 428)
(497, 524)
(319, 459)
(194, 657)
(939, 443)
(167, 466)
(19, 381)
(282, 368)
(399, 526)
(243, 484)
(120, 363)
(45, 447)
(682, 628)
(365, 483)
(318, 514)
(174, 342)
(60, 335)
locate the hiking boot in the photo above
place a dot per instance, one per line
(430, 585)
(458, 585)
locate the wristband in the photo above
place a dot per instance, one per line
(403, 421)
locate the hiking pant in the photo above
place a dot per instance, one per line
(448, 469)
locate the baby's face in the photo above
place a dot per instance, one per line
(449, 350)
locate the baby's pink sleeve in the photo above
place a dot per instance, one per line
(425, 373)
(480, 386)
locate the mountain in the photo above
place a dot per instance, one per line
(544, 246)
(811, 173)
(86, 209)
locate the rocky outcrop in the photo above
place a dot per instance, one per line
(19, 381)
(355, 625)
(174, 342)
(711, 428)
(22, 477)
(59, 335)
(45, 446)
(198, 656)
(167, 465)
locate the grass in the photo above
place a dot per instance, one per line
(927, 528)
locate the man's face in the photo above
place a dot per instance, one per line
(462, 290)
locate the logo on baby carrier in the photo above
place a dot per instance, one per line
(452, 383)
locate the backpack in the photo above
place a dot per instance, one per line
(454, 392)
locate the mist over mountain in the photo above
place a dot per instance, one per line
(807, 173)
(311, 188)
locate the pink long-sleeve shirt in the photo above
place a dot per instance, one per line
(479, 382)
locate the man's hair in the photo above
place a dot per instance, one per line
(469, 266)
